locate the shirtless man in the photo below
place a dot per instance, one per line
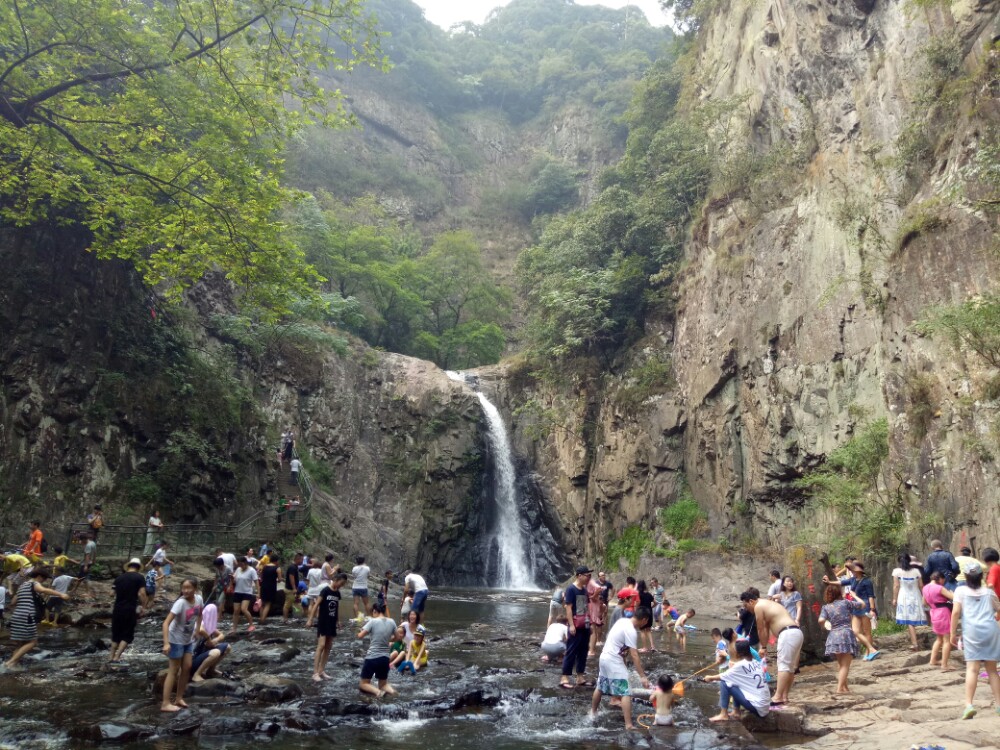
(773, 618)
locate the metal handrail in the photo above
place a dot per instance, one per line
(198, 538)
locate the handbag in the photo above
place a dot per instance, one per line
(580, 621)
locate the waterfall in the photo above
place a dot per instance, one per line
(515, 566)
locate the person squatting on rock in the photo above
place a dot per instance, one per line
(209, 647)
(554, 642)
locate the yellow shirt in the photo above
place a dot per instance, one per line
(61, 561)
(14, 563)
(963, 561)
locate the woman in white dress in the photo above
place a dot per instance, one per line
(154, 531)
(907, 598)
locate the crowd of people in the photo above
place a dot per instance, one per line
(958, 596)
(192, 637)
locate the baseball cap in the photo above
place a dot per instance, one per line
(134, 561)
(421, 630)
(973, 567)
(583, 570)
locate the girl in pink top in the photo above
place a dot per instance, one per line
(937, 598)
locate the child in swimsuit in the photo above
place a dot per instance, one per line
(663, 701)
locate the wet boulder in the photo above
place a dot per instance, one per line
(215, 687)
(270, 689)
(110, 732)
(480, 697)
(226, 725)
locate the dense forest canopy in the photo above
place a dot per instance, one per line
(526, 55)
(158, 127)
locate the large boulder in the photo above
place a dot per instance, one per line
(269, 689)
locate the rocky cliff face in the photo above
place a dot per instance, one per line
(796, 319)
(109, 398)
(795, 323)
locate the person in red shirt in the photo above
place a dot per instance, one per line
(631, 594)
(992, 559)
(33, 547)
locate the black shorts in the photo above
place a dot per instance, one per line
(268, 595)
(123, 624)
(244, 598)
(326, 629)
(377, 668)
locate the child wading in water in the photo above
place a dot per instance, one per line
(326, 628)
(376, 664)
(178, 643)
(679, 630)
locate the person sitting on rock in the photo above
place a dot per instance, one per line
(416, 653)
(743, 683)
(397, 649)
(209, 646)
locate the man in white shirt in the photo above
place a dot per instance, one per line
(415, 584)
(296, 466)
(774, 590)
(612, 675)
(228, 559)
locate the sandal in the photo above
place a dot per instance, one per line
(587, 684)
(567, 686)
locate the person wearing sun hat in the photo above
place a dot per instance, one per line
(975, 612)
(130, 591)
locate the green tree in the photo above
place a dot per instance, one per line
(159, 126)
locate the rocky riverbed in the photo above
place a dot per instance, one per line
(485, 686)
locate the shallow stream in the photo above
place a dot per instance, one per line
(485, 688)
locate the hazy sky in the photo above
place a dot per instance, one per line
(447, 12)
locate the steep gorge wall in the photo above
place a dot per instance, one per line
(796, 310)
(107, 396)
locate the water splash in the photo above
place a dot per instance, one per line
(515, 567)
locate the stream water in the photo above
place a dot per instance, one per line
(485, 687)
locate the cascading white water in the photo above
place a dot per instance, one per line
(516, 566)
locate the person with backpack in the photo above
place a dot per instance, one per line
(96, 521)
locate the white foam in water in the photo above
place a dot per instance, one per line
(402, 726)
(516, 567)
